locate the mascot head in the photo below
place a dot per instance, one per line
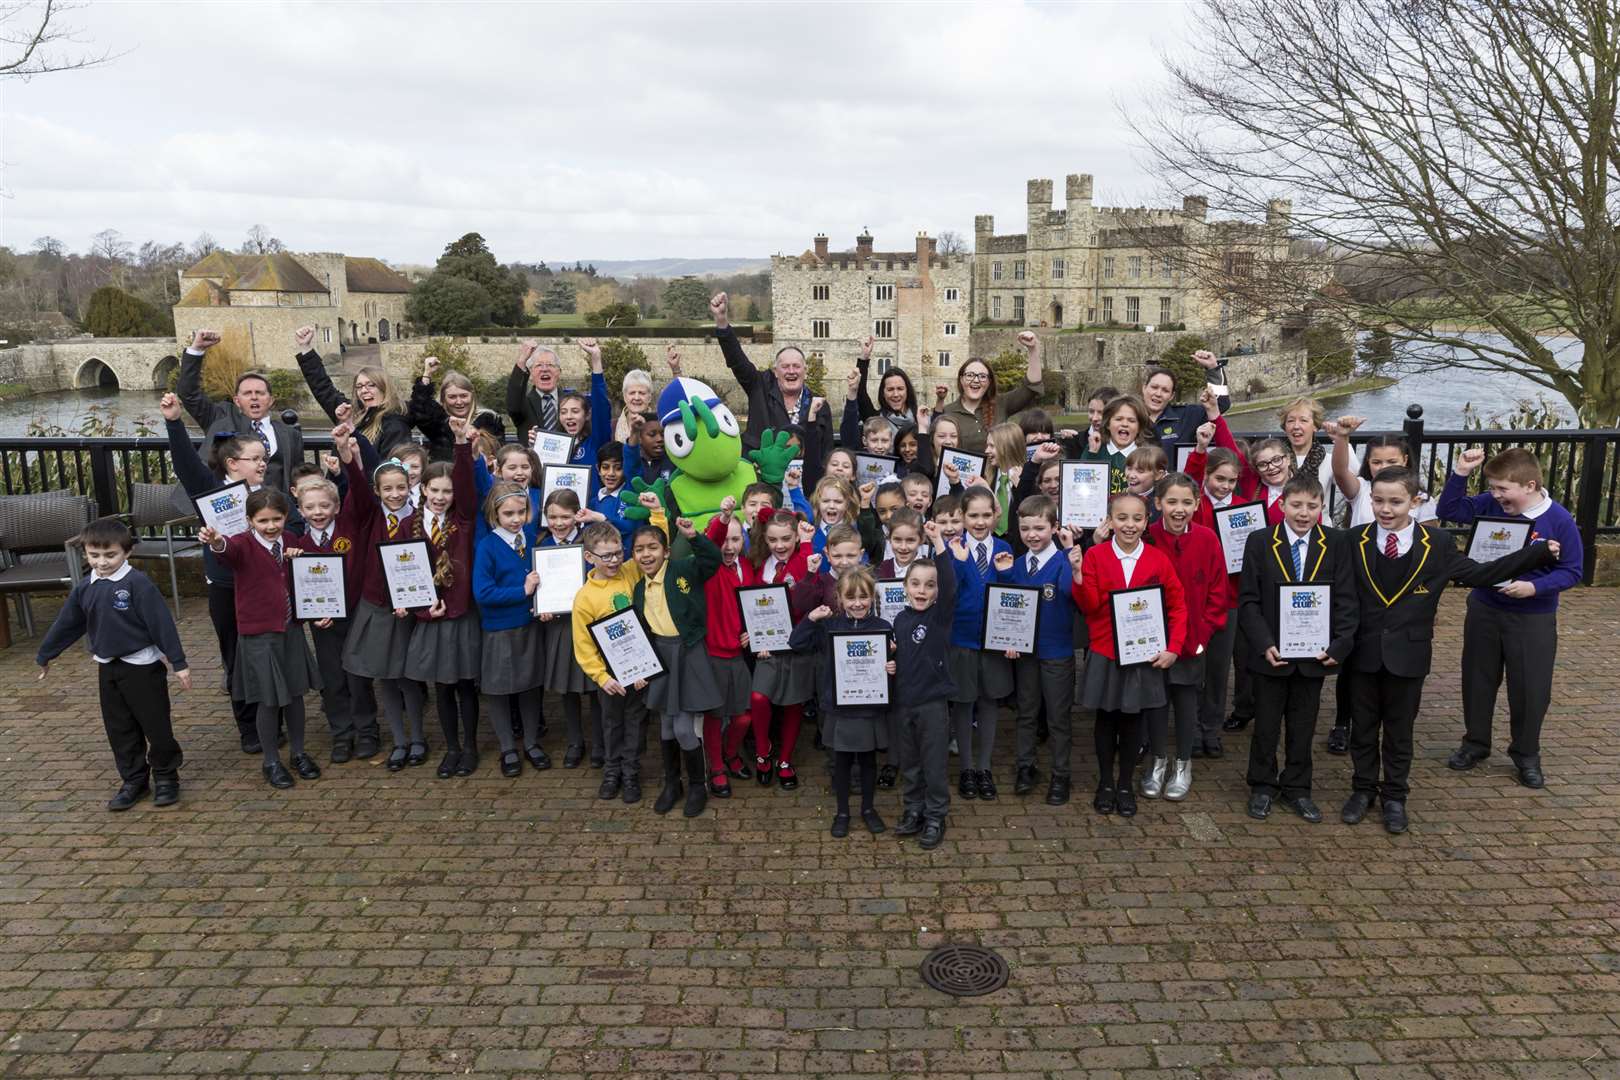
(701, 435)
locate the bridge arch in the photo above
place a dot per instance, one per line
(94, 373)
(163, 371)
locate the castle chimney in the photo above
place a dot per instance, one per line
(1195, 207)
(1279, 212)
(821, 246)
(863, 244)
(925, 248)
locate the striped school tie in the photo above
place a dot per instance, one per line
(1392, 547)
(393, 525)
(275, 553)
(438, 533)
(517, 546)
(983, 560)
(1299, 560)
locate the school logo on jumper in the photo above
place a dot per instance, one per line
(920, 633)
(1304, 601)
(680, 583)
(341, 545)
(620, 601)
(121, 600)
(1048, 592)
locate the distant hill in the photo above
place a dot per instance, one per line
(669, 268)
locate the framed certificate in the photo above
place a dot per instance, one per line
(766, 617)
(891, 595)
(1140, 632)
(860, 668)
(1233, 524)
(317, 582)
(408, 571)
(1183, 452)
(562, 574)
(1082, 493)
(966, 465)
(1304, 620)
(1011, 617)
(553, 447)
(626, 647)
(1492, 538)
(872, 468)
(224, 509)
(575, 478)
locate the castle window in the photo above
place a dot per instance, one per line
(1164, 265)
(1108, 266)
(995, 271)
(1108, 309)
(995, 307)
(326, 334)
(1018, 270)
(821, 328)
(944, 359)
(1057, 269)
(1133, 309)
(1018, 308)
(884, 363)
(821, 292)
(883, 292)
(950, 329)
(1136, 267)
(953, 295)
(883, 328)
(1164, 309)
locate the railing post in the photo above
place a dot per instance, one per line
(1594, 455)
(1413, 427)
(103, 480)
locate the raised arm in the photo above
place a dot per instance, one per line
(189, 388)
(517, 390)
(864, 365)
(327, 396)
(1344, 462)
(742, 368)
(1027, 393)
(189, 469)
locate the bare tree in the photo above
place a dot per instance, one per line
(1449, 161)
(950, 242)
(110, 244)
(35, 41)
(50, 246)
(260, 242)
(202, 247)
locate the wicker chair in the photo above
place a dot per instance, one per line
(153, 506)
(35, 553)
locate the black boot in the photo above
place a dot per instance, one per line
(672, 778)
(697, 791)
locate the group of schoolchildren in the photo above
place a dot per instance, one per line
(724, 712)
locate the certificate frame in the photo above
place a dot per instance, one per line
(1032, 596)
(942, 483)
(1220, 514)
(886, 608)
(221, 502)
(872, 468)
(392, 553)
(1285, 589)
(337, 580)
(1183, 452)
(774, 644)
(1497, 544)
(550, 475)
(1153, 595)
(634, 622)
(546, 599)
(847, 696)
(547, 444)
(1066, 514)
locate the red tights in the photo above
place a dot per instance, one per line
(792, 716)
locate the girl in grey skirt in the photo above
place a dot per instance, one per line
(563, 520)
(779, 548)
(503, 582)
(274, 668)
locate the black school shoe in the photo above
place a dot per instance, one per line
(911, 823)
(874, 823)
(538, 758)
(611, 785)
(573, 756)
(631, 792)
(512, 765)
(1338, 741)
(1305, 808)
(1236, 722)
(342, 752)
(165, 793)
(1024, 781)
(1057, 792)
(131, 793)
(933, 833)
(967, 785)
(305, 767)
(987, 786)
(1213, 749)
(397, 758)
(366, 747)
(448, 764)
(468, 763)
(1394, 817)
(1464, 758)
(417, 755)
(840, 826)
(1125, 802)
(277, 776)
(1530, 775)
(1104, 801)
(251, 745)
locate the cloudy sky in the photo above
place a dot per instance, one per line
(565, 131)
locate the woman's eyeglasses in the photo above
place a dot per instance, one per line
(1270, 463)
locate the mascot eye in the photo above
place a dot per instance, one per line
(727, 422)
(676, 442)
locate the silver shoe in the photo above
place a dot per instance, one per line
(1153, 782)
(1180, 780)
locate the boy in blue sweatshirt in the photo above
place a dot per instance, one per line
(610, 470)
(1047, 678)
(131, 631)
(1511, 627)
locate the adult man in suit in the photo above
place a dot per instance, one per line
(534, 390)
(778, 399)
(246, 413)
(1401, 568)
(1288, 693)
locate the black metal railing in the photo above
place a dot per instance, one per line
(1581, 467)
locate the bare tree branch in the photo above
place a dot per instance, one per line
(35, 41)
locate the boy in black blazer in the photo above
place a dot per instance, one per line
(1401, 568)
(1288, 694)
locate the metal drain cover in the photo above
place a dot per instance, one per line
(964, 970)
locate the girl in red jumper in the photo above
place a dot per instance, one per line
(779, 548)
(726, 641)
(274, 668)
(446, 642)
(1196, 555)
(1122, 694)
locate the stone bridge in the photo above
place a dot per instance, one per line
(84, 363)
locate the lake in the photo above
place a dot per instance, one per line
(1443, 393)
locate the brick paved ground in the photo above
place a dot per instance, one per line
(377, 924)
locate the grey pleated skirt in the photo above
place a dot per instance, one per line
(446, 650)
(511, 662)
(687, 684)
(378, 644)
(850, 730)
(1187, 671)
(979, 674)
(786, 678)
(1133, 689)
(562, 672)
(735, 683)
(274, 669)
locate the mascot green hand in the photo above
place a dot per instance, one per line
(704, 442)
(633, 510)
(776, 451)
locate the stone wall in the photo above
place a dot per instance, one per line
(269, 329)
(136, 363)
